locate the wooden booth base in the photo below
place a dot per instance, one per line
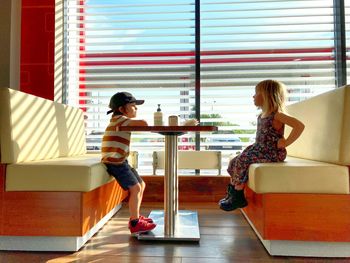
(315, 225)
(60, 217)
(53, 243)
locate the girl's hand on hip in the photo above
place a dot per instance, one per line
(281, 143)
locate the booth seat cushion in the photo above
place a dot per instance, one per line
(296, 175)
(78, 173)
(326, 137)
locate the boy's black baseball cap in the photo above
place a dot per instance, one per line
(121, 99)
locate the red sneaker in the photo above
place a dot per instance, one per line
(147, 219)
(141, 227)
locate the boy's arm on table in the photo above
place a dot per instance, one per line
(137, 123)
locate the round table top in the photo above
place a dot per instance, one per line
(169, 129)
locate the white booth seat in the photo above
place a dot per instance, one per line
(44, 162)
(44, 145)
(75, 173)
(297, 175)
(318, 161)
(298, 207)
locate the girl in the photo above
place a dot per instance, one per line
(115, 150)
(270, 144)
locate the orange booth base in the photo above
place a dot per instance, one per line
(54, 221)
(301, 224)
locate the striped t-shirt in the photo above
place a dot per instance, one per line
(115, 144)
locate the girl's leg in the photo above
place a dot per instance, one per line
(135, 201)
(239, 186)
(230, 187)
(236, 199)
(229, 192)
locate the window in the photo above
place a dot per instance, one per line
(148, 48)
(244, 42)
(142, 47)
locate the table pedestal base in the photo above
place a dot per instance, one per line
(186, 227)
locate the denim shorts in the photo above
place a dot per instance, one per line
(125, 175)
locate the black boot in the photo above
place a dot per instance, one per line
(237, 200)
(229, 192)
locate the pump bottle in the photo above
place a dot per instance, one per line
(158, 117)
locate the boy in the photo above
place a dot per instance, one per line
(115, 150)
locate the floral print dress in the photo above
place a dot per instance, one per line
(264, 150)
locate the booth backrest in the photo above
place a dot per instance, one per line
(327, 127)
(55, 130)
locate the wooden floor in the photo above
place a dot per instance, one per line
(225, 237)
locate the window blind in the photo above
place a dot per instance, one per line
(142, 47)
(147, 47)
(245, 42)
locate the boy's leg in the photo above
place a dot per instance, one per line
(137, 223)
(143, 187)
(135, 201)
(128, 179)
(141, 183)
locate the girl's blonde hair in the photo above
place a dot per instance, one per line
(274, 95)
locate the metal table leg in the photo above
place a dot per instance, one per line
(172, 224)
(170, 187)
